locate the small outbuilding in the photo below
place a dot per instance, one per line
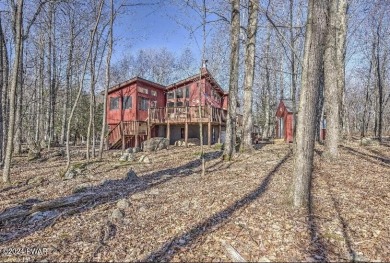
(284, 120)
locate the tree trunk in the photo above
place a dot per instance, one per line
(267, 97)
(312, 63)
(249, 75)
(3, 78)
(19, 102)
(108, 79)
(293, 71)
(81, 84)
(14, 84)
(230, 143)
(68, 82)
(379, 85)
(334, 74)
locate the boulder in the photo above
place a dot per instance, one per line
(369, 141)
(122, 204)
(155, 144)
(137, 150)
(127, 157)
(117, 214)
(129, 150)
(75, 170)
(70, 174)
(190, 142)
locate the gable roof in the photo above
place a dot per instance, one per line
(205, 74)
(134, 80)
(288, 104)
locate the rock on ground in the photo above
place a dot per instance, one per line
(190, 142)
(122, 204)
(155, 144)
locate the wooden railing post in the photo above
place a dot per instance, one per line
(209, 127)
(148, 129)
(123, 136)
(186, 129)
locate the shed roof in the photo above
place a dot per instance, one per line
(288, 104)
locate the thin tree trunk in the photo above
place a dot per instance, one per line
(108, 79)
(313, 59)
(267, 97)
(68, 82)
(200, 88)
(81, 84)
(379, 85)
(2, 86)
(230, 142)
(19, 102)
(293, 71)
(249, 75)
(4, 95)
(14, 84)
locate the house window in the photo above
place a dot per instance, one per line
(187, 88)
(170, 95)
(143, 90)
(127, 102)
(114, 103)
(179, 104)
(153, 93)
(143, 103)
(179, 93)
(171, 104)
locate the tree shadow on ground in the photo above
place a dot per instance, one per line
(368, 157)
(173, 246)
(23, 220)
(317, 249)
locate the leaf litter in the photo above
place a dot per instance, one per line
(165, 210)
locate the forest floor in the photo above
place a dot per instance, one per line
(240, 210)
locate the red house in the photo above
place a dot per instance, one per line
(138, 109)
(285, 122)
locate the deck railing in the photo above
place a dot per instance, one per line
(126, 128)
(187, 114)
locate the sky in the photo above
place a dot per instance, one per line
(156, 27)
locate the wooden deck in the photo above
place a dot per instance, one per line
(189, 114)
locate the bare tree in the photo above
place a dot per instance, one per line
(17, 10)
(81, 83)
(230, 142)
(253, 11)
(312, 65)
(334, 73)
(108, 78)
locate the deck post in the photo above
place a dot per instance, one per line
(219, 133)
(136, 135)
(149, 129)
(220, 125)
(123, 137)
(209, 134)
(186, 129)
(168, 131)
(209, 125)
